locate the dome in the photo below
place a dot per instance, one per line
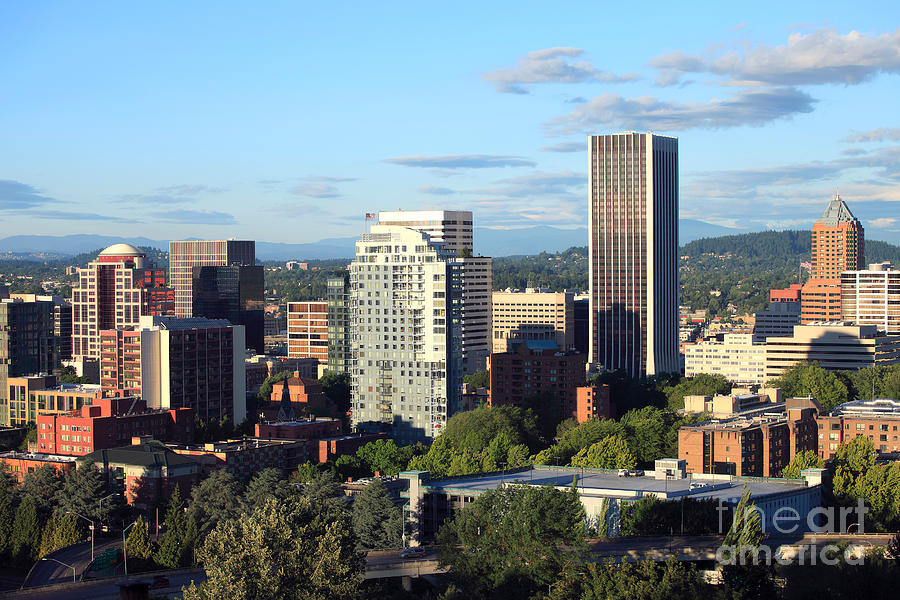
(122, 250)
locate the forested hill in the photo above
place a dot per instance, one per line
(781, 246)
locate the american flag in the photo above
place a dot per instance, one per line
(370, 216)
(806, 265)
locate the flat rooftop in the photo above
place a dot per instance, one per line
(608, 483)
(299, 423)
(57, 458)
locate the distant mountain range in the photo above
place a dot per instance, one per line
(488, 242)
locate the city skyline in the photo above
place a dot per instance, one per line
(204, 124)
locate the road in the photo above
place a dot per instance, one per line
(48, 572)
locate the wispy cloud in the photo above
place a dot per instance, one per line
(71, 216)
(436, 191)
(551, 65)
(145, 200)
(461, 161)
(17, 195)
(816, 58)
(319, 186)
(882, 222)
(749, 107)
(566, 147)
(874, 135)
(195, 217)
(189, 189)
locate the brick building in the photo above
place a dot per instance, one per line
(20, 464)
(111, 423)
(148, 471)
(523, 373)
(120, 361)
(879, 420)
(593, 403)
(311, 429)
(331, 448)
(757, 446)
(244, 458)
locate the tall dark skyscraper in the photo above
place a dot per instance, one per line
(633, 249)
(185, 255)
(235, 293)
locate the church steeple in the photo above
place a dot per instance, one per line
(286, 407)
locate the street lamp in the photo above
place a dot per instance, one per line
(72, 512)
(63, 564)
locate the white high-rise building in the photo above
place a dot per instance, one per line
(633, 252)
(872, 297)
(453, 228)
(405, 373)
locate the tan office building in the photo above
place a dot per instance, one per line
(307, 325)
(835, 346)
(737, 358)
(533, 315)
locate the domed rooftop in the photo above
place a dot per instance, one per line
(122, 250)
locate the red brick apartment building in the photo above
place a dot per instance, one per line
(758, 446)
(879, 420)
(148, 470)
(593, 403)
(244, 458)
(110, 423)
(523, 373)
(314, 428)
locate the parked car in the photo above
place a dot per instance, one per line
(159, 581)
(413, 552)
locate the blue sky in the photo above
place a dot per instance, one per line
(288, 121)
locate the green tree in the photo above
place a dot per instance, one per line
(265, 389)
(810, 379)
(139, 545)
(8, 501)
(850, 463)
(25, 541)
(702, 384)
(323, 488)
(60, 531)
(377, 520)
(172, 552)
(645, 580)
(808, 459)
(306, 472)
(266, 484)
(310, 544)
(336, 386)
(82, 490)
(43, 486)
(513, 541)
(218, 497)
(386, 458)
(743, 578)
(609, 453)
(857, 476)
(481, 379)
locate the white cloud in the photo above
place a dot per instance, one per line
(820, 57)
(749, 107)
(874, 135)
(551, 65)
(882, 222)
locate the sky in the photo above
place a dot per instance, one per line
(287, 122)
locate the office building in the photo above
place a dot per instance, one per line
(20, 464)
(740, 402)
(33, 395)
(236, 293)
(405, 338)
(838, 245)
(776, 321)
(114, 291)
(633, 253)
(453, 229)
(760, 445)
(194, 363)
(62, 321)
(247, 457)
(835, 346)
(872, 297)
(737, 357)
(529, 373)
(308, 330)
(533, 315)
(878, 420)
(603, 492)
(185, 255)
(27, 346)
(110, 423)
(338, 319)
(582, 336)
